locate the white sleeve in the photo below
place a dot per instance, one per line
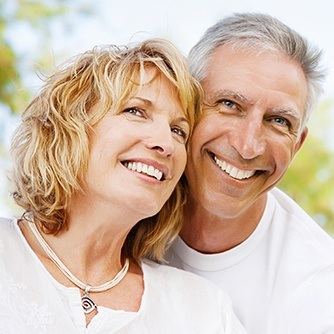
(313, 311)
(231, 323)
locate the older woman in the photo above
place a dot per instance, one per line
(97, 160)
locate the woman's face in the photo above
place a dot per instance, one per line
(138, 155)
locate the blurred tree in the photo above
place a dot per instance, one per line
(10, 78)
(310, 178)
(34, 20)
(9, 75)
(28, 29)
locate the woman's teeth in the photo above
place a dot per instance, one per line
(144, 169)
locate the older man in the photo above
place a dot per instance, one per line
(261, 81)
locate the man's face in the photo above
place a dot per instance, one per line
(250, 129)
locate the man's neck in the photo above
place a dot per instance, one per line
(210, 233)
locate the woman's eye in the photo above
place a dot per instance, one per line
(134, 112)
(180, 132)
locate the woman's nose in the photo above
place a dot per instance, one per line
(161, 140)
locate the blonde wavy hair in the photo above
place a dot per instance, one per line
(50, 148)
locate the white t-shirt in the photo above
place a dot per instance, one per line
(281, 279)
(33, 302)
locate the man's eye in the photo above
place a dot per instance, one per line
(228, 103)
(134, 112)
(281, 121)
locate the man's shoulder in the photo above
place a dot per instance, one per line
(285, 203)
(294, 219)
(299, 238)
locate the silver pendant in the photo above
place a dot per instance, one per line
(88, 304)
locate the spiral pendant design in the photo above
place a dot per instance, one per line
(88, 304)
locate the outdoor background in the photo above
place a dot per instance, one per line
(35, 36)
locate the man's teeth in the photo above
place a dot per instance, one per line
(233, 171)
(144, 169)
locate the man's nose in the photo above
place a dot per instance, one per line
(248, 137)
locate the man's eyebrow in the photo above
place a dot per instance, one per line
(228, 94)
(225, 94)
(288, 112)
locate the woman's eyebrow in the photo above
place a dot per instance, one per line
(182, 119)
(141, 99)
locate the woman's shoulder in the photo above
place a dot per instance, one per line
(10, 240)
(8, 232)
(7, 226)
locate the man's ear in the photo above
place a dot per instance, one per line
(301, 140)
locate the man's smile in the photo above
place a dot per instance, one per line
(231, 170)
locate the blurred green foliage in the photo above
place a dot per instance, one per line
(310, 178)
(10, 80)
(27, 32)
(34, 14)
(36, 17)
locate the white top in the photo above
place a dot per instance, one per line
(281, 279)
(32, 301)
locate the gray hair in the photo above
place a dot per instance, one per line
(261, 33)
